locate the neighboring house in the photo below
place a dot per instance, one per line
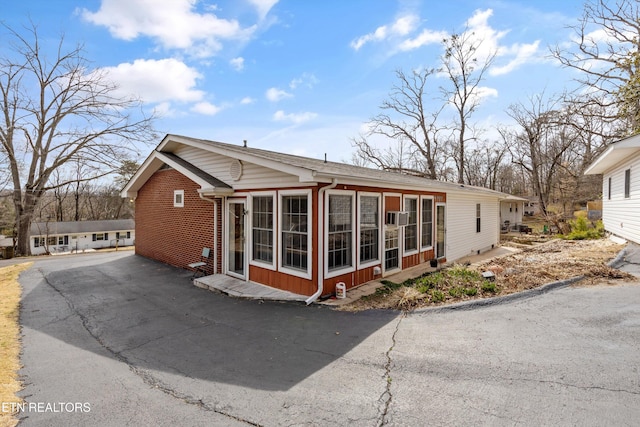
(531, 206)
(78, 236)
(297, 223)
(619, 165)
(511, 211)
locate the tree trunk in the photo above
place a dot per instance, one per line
(24, 215)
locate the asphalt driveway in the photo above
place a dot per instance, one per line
(135, 343)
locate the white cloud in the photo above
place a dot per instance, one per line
(206, 108)
(157, 80)
(274, 94)
(400, 27)
(523, 53)
(281, 116)
(247, 100)
(237, 63)
(426, 37)
(174, 24)
(306, 79)
(164, 110)
(486, 92)
(263, 6)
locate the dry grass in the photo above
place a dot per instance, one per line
(534, 266)
(9, 339)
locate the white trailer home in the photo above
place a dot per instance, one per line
(78, 236)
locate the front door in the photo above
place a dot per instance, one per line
(440, 231)
(236, 242)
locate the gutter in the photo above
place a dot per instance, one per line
(312, 298)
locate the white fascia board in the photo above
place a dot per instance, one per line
(613, 155)
(144, 172)
(304, 174)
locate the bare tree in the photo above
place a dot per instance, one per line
(413, 113)
(465, 68)
(606, 53)
(407, 120)
(484, 164)
(55, 110)
(540, 143)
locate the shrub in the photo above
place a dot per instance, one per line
(437, 296)
(489, 287)
(455, 292)
(470, 292)
(582, 229)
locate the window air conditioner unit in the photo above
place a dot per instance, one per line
(397, 218)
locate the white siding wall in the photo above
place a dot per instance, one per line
(622, 216)
(462, 238)
(511, 211)
(253, 176)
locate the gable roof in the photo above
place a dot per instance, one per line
(157, 159)
(614, 155)
(73, 227)
(305, 168)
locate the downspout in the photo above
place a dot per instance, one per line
(312, 298)
(215, 230)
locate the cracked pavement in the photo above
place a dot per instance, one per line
(137, 341)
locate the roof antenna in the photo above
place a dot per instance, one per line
(245, 143)
(325, 157)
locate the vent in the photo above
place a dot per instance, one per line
(235, 170)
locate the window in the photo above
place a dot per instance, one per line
(609, 189)
(340, 232)
(100, 236)
(411, 229)
(52, 240)
(178, 198)
(295, 245)
(36, 242)
(478, 218)
(627, 183)
(369, 228)
(427, 223)
(262, 229)
(63, 240)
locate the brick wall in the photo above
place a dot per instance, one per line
(169, 234)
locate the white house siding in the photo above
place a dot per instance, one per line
(253, 176)
(621, 216)
(462, 238)
(511, 211)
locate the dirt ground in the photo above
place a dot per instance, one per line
(534, 266)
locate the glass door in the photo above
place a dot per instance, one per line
(391, 249)
(236, 238)
(440, 231)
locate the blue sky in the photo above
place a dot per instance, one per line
(301, 77)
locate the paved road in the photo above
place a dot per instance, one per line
(140, 345)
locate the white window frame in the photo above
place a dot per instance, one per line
(285, 269)
(344, 270)
(377, 261)
(404, 209)
(274, 238)
(424, 248)
(177, 204)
